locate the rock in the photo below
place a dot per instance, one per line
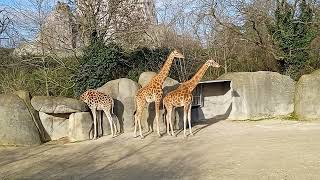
(260, 94)
(26, 97)
(145, 78)
(16, 124)
(168, 85)
(149, 113)
(80, 125)
(57, 105)
(56, 125)
(58, 33)
(307, 97)
(123, 91)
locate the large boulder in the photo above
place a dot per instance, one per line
(148, 116)
(307, 97)
(57, 105)
(80, 124)
(123, 91)
(55, 125)
(17, 126)
(260, 94)
(26, 97)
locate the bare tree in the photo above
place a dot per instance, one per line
(4, 20)
(109, 19)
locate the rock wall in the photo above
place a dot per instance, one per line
(17, 126)
(59, 115)
(260, 94)
(307, 97)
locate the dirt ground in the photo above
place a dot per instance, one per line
(269, 149)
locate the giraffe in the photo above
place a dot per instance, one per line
(152, 92)
(98, 101)
(182, 96)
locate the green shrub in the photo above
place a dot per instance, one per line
(146, 59)
(100, 63)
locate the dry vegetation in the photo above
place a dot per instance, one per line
(257, 35)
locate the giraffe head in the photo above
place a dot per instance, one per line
(212, 63)
(176, 54)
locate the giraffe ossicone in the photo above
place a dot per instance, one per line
(182, 97)
(153, 92)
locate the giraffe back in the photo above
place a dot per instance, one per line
(97, 100)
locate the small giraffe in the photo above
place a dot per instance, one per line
(182, 96)
(152, 92)
(98, 101)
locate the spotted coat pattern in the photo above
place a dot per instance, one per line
(182, 97)
(98, 101)
(152, 92)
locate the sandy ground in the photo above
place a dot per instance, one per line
(269, 149)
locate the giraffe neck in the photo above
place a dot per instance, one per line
(163, 74)
(193, 82)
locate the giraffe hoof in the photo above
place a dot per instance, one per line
(191, 134)
(142, 137)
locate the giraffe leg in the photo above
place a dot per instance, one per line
(138, 122)
(185, 112)
(101, 127)
(94, 114)
(137, 117)
(110, 121)
(115, 127)
(135, 123)
(170, 120)
(157, 106)
(189, 120)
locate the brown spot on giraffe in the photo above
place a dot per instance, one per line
(152, 92)
(182, 97)
(98, 101)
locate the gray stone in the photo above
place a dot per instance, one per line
(123, 92)
(26, 97)
(307, 97)
(16, 124)
(216, 101)
(168, 85)
(260, 94)
(80, 125)
(56, 105)
(56, 125)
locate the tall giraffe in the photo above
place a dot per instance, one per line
(98, 101)
(182, 96)
(152, 92)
